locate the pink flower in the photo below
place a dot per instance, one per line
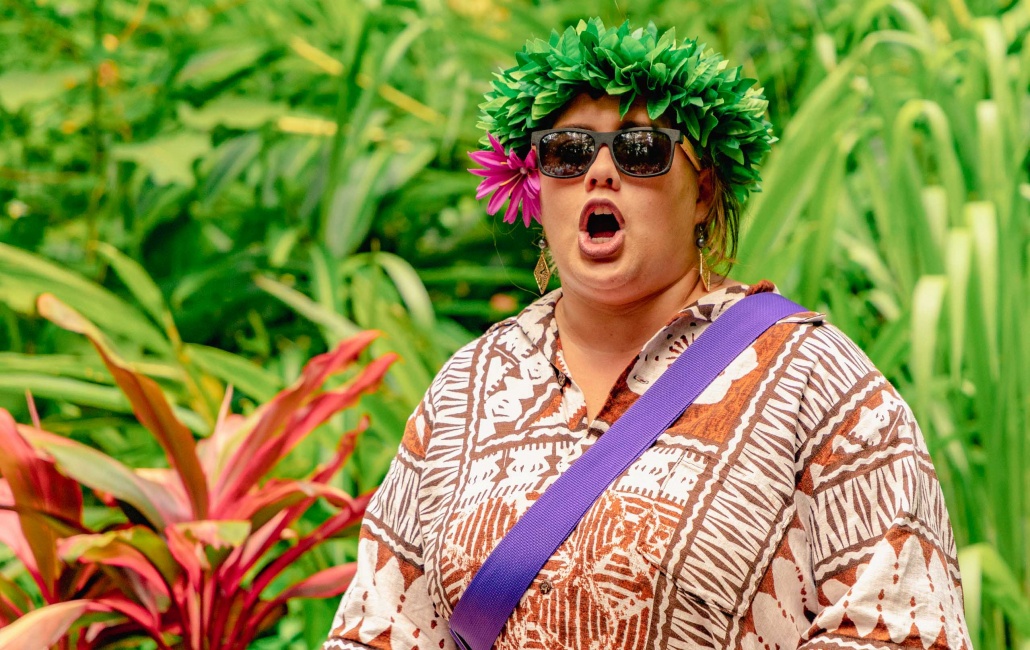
(508, 177)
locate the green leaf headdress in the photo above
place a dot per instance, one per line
(722, 113)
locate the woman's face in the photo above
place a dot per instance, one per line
(649, 245)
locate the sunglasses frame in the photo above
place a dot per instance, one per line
(608, 138)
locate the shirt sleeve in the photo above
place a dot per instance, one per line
(871, 523)
(388, 603)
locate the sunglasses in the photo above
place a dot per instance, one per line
(639, 151)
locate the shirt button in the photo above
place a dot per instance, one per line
(546, 587)
(560, 376)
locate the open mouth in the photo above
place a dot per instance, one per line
(602, 231)
(602, 226)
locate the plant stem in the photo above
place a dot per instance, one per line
(95, 132)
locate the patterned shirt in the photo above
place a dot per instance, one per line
(793, 505)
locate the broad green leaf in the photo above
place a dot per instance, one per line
(982, 221)
(244, 113)
(138, 281)
(231, 158)
(211, 66)
(992, 578)
(336, 326)
(959, 254)
(409, 285)
(233, 369)
(354, 204)
(169, 158)
(62, 388)
(927, 303)
(53, 365)
(324, 282)
(20, 88)
(36, 275)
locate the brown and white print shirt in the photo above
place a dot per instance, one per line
(793, 505)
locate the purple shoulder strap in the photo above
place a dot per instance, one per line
(498, 586)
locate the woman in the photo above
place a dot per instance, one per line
(793, 504)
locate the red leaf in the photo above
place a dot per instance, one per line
(278, 494)
(330, 527)
(306, 419)
(43, 627)
(36, 485)
(182, 549)
(11, 535)
(344, 448)
(101, 472)
(14, 602)
(148, 403)
(212, 450)
(202, 546)
(258, 452)
(240, 561)
(324, 584)
(111, 549)
(144, 618)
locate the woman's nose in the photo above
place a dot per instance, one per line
(603, 171)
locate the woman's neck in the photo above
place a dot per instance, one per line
(618, 332)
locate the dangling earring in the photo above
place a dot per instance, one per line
(542, 272)
(703, 271)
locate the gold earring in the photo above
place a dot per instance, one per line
(703, 271)
(542, 272)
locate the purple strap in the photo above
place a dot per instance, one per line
(498, 586)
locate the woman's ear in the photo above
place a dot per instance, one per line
(705, 194)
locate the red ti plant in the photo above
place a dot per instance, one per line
(200, 541)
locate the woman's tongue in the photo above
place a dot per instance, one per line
(602, 227)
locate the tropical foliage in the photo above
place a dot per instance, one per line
(183, 555)
(226, 189)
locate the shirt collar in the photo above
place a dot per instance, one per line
(540, 330)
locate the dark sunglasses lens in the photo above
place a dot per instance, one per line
(565, 153)
(643, 153)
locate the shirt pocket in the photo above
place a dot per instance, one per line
(713, 529)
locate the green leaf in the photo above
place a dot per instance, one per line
(169, 159)
(75, 391)
(138, 281)
(927, 304)
(20, 88)
(987, 574)
(243, 113)
(211, 66)
(29, 276)
(230, 368)
(336, 326)
(231, 158)
(408, 284)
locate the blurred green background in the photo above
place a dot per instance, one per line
(230, 187)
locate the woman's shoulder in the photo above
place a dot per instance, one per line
(529, 333)
(820, 346)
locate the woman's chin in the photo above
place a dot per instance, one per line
(606, 282)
